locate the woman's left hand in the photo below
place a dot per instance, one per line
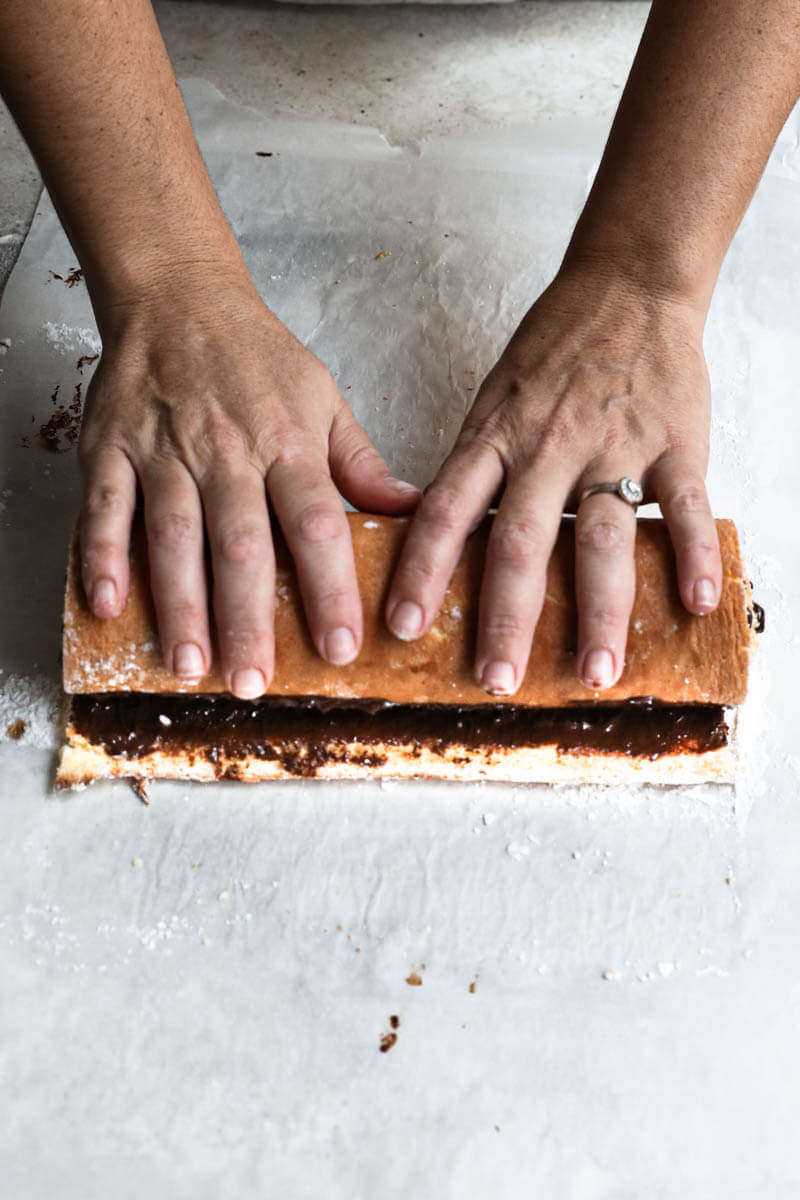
(602, 379)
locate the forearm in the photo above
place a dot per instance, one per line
(92, 89)
(709, 91)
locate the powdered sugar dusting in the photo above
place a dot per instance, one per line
(69, 337)
(37, 701)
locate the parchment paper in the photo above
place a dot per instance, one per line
(194, 993)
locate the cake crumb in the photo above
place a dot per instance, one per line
(612, 973)
(139, 785)
(15, 729)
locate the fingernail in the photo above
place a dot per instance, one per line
(400, 485)
(598, 669)
(340, 646)
(247, 684)
(705, 594)
(499, 678)
(188, 662)
(104, 595)
(406, 620)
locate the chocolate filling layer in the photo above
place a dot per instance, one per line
(304, 733)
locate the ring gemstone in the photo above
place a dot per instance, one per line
(630, 490)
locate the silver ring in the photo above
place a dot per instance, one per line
(626, 488)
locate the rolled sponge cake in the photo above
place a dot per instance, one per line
(412, 709)
(672, 656)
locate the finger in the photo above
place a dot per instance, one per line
(521, 541)
(312, 518)
(243, 565)
(174, 523)
(109, 498)
(452, 506)
(681, 492)
(605, 580)
(361, 474)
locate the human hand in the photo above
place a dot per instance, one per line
(600, 380)
(206, 399)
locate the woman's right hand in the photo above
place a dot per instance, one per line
(215, 408)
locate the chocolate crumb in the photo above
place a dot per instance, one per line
(60, 432)
(387, 1041)
(139, 785)
(86, 360)
(263, 154)
(15, 729)
(394, 1022)
(74, 277)
(472, 987)
(414, 980)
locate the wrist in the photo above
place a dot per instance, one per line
(189, 283)
(644, 260)
(594, 301)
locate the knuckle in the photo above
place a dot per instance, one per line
(689, 499)
(172, 530)
(222, 438)
(604, 536)
(560, 433)
(418, 574)
(243, 642)
(611, 439)
(101, 445)
(332, 600)
(514, 543)
(505, 626)
(104, 500)
(362, 456)
(242, 545)
(97, 554)
(319, 522)
(604, 617)
(182, 616)
(284, 450)
(443, 508)
(488, 433)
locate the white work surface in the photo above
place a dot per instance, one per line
(193, 994)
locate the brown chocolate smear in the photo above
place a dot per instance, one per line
(303, 736)
(61, 432)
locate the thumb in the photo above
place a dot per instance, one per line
(361, 474)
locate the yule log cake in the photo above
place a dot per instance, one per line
(413, 709)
